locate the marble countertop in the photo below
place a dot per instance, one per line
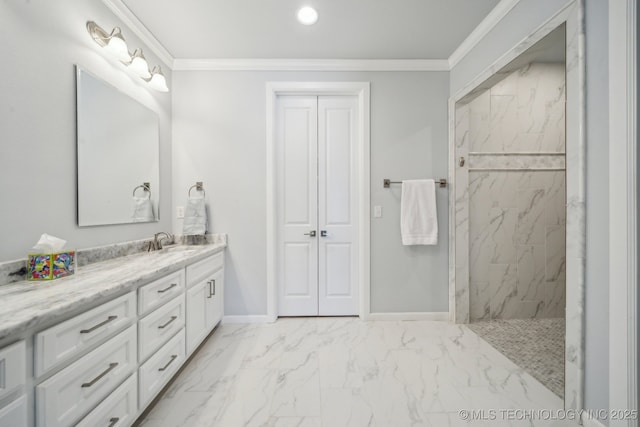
(25, 305)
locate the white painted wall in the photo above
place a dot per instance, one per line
(219, 134)
(525, 17)
(42, 40)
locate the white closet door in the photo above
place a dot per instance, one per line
(297, 147)
(338, 131)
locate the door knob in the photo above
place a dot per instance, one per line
(312, 233)
(323, 233)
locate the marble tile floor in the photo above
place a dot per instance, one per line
(536, 345)
(336, 372)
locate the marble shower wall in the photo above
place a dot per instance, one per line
(517, 196)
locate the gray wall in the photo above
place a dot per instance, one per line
(219, 134)
(523, 19)
(42, 40)
(597, 272)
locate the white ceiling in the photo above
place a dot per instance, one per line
(346, 29)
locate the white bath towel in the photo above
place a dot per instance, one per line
(195, 217)
(142, 210)
(418, 218)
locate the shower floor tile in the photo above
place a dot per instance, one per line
(535, 345)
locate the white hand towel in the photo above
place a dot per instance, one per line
(418, 218)
(142, 210)
(195, 217)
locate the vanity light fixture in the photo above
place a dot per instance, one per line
(115, 44)
(139, 64)
(112, 42)
(307, 15)
(157, 80)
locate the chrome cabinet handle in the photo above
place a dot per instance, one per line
(93, 328)
(168, 323)
(323, 233)
(210, 294)
(111, 367)
(113, 421)
(214, 286)
(173, 285)
(174, 357)
(312, 233)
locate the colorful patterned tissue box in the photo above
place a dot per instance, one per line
(51, 266)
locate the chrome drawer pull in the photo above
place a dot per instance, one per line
(113, 421)
(214, 286)
(174, 357)
(169, 322)
(111, 367)
(210, 294)
(173, 285)
(109, 319)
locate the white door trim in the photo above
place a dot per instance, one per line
(623, 209)
(362, 91)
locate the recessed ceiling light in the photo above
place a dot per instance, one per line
(307, 15)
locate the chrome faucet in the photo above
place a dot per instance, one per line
(156, 244)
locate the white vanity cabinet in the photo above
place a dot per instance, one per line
(13, 378)
(105, 365)
(205, 296)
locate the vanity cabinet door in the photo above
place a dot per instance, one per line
(196, 315)
(15, 413)
(214, 299)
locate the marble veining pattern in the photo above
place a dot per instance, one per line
(336, 372)
(15, 271)
(520, 162)
(24, 304)
(517, 197)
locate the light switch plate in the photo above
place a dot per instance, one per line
(377, 211)
(180, 212)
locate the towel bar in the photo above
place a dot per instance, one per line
(198, 186)
(387, 182)
(145, 186)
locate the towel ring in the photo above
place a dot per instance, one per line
(145, 186)
(198, 186)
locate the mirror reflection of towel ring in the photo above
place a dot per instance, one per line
(198, 186)
(145, 186)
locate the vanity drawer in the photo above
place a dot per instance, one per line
(61, 342)
(158, 370)
(156, 328)
(15, 413)
(160, 291)
(199, 270)
(117, 410)
(71, 393)
(13, 370)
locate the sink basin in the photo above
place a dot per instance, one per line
(175, 249)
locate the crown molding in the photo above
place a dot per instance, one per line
(311, 65)
(131, 20)
(487, 24)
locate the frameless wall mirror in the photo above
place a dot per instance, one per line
(118, 155)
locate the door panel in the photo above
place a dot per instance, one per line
(337, 190)
(297, 145)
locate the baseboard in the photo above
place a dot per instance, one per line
(590, 422)
(248, 319)
(439, 316)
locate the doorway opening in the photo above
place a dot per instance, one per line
(518, 203)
